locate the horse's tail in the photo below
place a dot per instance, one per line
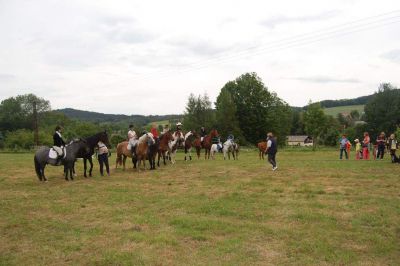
(37, 167)
(119, 158)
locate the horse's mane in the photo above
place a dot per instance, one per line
(92, 140)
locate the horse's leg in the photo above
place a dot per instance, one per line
(124, 161)
(84, 167)
(42, 176)
(70, 171)
(91, 166)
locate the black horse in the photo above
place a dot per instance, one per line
(152, 151)
(92, 143)
(41, 158)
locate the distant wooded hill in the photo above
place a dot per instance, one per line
(101, 118)
(144, 120)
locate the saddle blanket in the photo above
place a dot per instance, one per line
(53, 154)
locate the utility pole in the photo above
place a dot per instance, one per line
(35, 125)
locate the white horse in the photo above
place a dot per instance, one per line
(214, 149)
(230, 146)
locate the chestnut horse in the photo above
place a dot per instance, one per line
(197, 144)
(262, 146)
(163, 147)
(122, 153)
(207, 142)
(141, 150)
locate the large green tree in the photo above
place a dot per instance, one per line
(258, 110)
(198, 113)
(315, 122)
(383, 110)
(226, 115)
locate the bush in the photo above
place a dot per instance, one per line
(19, 139)
(115, 139)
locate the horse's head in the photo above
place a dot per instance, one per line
(103, 137)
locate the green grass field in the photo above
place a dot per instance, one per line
(334, 111)
(314, 209)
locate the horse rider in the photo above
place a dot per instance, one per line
(154, 131)
(231, 137)
(165, 129)
(58, 144)
(203, 134)
(132, 140)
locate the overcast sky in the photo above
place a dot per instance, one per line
(146, 57)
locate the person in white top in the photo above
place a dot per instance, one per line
(132, 139)
(102, 156)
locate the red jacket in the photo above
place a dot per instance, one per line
(154, 131)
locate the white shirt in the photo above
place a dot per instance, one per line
(132, 134)
(269, 143)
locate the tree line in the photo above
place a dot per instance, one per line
(245, 107)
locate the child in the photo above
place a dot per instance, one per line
(393, 145)
(348, 147)
(102, 156)
(365, 145)
(343, 148)
(358, 149)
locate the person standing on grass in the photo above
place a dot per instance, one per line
(272, 149)
(358, 149)
(365, 145)
(102, 156)
(343, 147)
(393, 146)
(381, 142)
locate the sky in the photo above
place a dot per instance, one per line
(146, 57)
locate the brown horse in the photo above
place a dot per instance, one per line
(141, 150)
(197, 144)
(122, 154)
(163, 147)
(262, 146)
(207, 142)
(189, 137)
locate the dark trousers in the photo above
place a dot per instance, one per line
(345, 153)
(271, 159)
(381, 151)
(103, 160)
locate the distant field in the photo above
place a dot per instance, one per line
(334, 111)
(313, 210)
(163, 122)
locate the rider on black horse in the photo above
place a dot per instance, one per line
(58, 143)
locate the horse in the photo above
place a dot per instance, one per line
(197, 144)
(92, 143)
(213, 150)
(163, 147)
(231, 147)
(141, 150)
(122, 154)
(173, 147)
(152, 151)
(71, 150)
(207, 142)
(262, 146)
(188, 144)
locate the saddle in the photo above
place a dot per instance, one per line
(57, 152)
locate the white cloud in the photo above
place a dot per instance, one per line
(147, 56)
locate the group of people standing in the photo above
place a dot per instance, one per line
(365, 147)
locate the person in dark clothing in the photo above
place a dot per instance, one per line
(58, 143)
(203, 133)
(272, 149)
(57, 138)
(381, 142)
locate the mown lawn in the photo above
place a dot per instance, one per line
(314, 209)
